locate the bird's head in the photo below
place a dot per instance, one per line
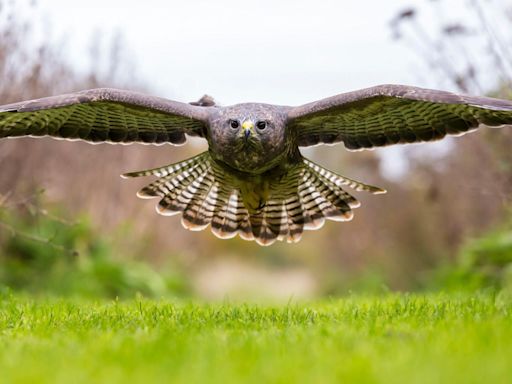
(248, 137)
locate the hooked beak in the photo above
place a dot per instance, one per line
(248, 127)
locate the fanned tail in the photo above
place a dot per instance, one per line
(300, 199)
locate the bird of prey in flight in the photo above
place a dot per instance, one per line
(253, 180)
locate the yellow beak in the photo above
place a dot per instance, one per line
(248, 127)
(247, 124)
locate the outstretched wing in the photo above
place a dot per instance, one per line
(392, 114)
(104, 115)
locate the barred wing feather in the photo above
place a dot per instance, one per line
(104, 115)
(393, 114)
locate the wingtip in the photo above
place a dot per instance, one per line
(8, 110)
(495, 105)
(378, 191)
(130, 175)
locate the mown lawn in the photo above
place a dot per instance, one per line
(390, 339)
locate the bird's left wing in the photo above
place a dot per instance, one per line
(104, 115)
(392, 114)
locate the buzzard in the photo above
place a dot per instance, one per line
(253, 180)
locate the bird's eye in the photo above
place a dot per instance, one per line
(261, 124)
(234, 124)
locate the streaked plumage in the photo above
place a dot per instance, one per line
(253, 181)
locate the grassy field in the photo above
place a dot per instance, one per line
(389, 339)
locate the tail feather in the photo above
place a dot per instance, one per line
(336, 194)
(342, 180)
(244, 223)
(205, 194)
(331, 201)
(202, 211)
(269, 225)
(313, 216)
(231, 217)
(294, 219)
(224, 221)
(170, 169)
(180, 191)
(173, 180)
(197, 214)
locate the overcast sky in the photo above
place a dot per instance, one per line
(279, 51)
(286, 52)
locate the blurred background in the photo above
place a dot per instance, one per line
(70, 226)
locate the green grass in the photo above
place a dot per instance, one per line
(390, 339)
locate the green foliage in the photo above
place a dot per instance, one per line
(482, 263)
(386, 339)
(40, 253)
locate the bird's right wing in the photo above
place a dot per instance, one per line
(105, 115)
